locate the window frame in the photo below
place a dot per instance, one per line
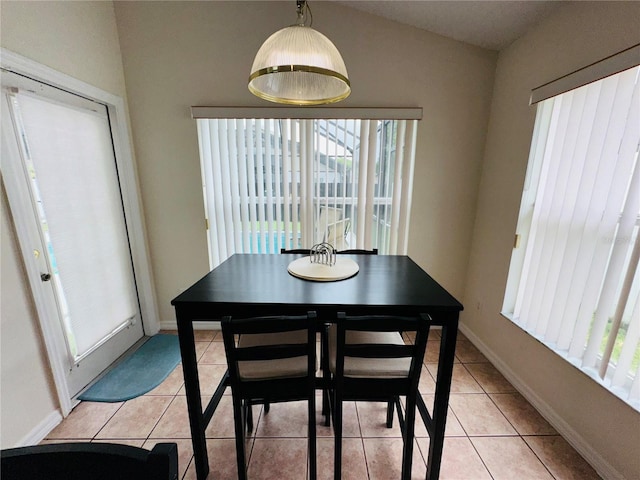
(601, 373)
(306, 114)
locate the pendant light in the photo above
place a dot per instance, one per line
(299, 66)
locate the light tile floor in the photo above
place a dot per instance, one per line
(492, 431)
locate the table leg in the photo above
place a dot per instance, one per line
(192, 389)
(443, 387)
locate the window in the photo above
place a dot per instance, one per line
(272, 183)
(573, 281)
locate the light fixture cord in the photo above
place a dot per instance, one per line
(302, 10)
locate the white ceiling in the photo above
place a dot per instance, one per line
(486, 23)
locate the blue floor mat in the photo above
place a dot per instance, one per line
(139, 373)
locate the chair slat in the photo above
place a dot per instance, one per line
(351, 251)
(384, 323)
(358, 251)
(376, 389)
(376, 350)
(271, 352)
(271, 324)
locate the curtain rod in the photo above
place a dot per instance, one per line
(410, 113)
(610, 65)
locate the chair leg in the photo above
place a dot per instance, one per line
(326, 375)
(266, 406)
(322, 367)
(248, 415)
(313, 468)
(337, 429)
(239, 424)
(408, 437)
(390, 414)
(401, 421)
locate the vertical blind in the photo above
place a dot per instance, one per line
(272, 183)
(579, 286)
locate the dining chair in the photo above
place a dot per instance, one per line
(328, 216)
(324, 352)
(369, 361)
(273, 360)
(97, 461)
(336, 233)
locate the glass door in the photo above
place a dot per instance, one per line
(79, 240)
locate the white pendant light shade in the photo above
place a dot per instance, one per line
(300, 66)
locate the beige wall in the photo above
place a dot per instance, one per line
(579, 34)
(179, 54)
(81, 40)
(26, 386)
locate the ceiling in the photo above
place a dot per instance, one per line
(485, 23)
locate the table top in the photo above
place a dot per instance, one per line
(385, 284)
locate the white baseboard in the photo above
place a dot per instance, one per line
(604, 468)
(35, 436)
(207, 325)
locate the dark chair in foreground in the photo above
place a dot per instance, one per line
(90, 461)
(274, 360)
(370, 361)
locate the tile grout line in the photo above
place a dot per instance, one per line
(106, 421)
(539, 459)
(481, 459)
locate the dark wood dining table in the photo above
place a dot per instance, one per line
(257, 284)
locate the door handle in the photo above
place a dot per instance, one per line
(45, 277)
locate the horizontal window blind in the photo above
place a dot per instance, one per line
(578, 287)
(272, 183)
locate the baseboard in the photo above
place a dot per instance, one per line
(205, 325)
(39, 433)
(604, 468)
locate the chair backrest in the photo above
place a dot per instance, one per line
(97, 461)
(328, 216)
(264, 359)
(303, 251)
(336, 233)
(354, 251)
(380, 385)
(359, 251)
